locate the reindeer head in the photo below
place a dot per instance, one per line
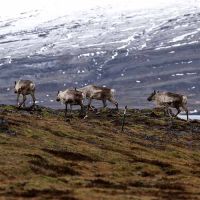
(15, 89)
(58, 96)
(152, 96)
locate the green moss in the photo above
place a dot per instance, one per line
(8, 108)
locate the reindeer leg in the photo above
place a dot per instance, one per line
(104, 103)
(23, 102)
(187, 115)
(178, 111)
(66, 110)
(70, 108)
(186, 110)
(24, 99)
(114, 102)
(18, 99)
(82, 110)
(167, 112)
(89, 103)
(33, 97)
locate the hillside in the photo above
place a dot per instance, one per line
(132, 51)
(45, 157)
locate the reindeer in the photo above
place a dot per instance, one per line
(168, 99)
(71, 97)
(99, 93)
(24, 88)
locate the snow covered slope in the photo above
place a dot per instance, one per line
(134, 50)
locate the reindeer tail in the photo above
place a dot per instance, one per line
(113, 91)
(184, 99)
(32, 86)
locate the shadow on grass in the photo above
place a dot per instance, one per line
(40, 165)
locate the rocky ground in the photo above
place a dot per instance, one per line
(44, 156)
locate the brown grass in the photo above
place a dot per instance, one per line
(45, 157)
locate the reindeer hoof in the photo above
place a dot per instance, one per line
(67, 120)
(33, 106)
(86, 116)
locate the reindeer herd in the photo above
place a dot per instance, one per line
(76, 96)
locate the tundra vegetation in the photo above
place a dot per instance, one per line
(45, 157)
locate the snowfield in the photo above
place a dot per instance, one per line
(132, 48)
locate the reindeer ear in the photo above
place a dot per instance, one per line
(15, 82)
(58, 92)
(154, 91)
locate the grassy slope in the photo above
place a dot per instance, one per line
(42, 156)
